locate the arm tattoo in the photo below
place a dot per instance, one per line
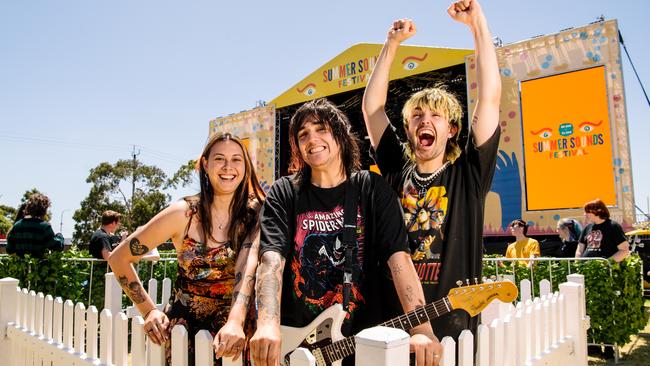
(250, 281)
(409, 293)
(237, 279)
(137, 249)
(133, 289)
(249, 245)
(268, 299)
(397, 269)
(239, 298)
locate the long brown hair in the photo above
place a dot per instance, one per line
(245, 204)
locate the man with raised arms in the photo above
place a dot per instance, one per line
(442, 189)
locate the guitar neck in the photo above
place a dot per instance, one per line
(345, 347)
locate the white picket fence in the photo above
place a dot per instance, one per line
(37, 329)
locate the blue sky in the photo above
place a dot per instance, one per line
(81, 82)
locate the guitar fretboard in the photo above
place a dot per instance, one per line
(345, 347)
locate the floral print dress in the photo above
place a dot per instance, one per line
(203, 291)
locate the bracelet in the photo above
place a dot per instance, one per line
(148, 312)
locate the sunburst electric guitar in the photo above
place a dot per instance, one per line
(323, 335)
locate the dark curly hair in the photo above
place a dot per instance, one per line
(37, 205)
(337, 123)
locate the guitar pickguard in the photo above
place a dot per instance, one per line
(324, 330)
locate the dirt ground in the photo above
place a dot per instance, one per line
(635, 353)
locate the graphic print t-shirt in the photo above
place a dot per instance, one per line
(602, 240)
(444, 220)
(313, 272)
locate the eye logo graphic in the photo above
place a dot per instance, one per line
(308, 90)
(566, 129)
(411, 63)
(544, 133)
(587, 126)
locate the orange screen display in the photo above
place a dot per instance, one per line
(567, 140)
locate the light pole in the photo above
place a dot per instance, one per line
(61, 223)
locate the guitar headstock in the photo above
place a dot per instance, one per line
(474, 298)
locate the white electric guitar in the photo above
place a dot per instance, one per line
(323, 335)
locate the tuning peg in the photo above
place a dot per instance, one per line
(493, 277)
(459, 283)
(475, 281)
(467, 281)
(483, 279)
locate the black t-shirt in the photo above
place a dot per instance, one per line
(567, 249)
(602, 240)
(102, 240)
(444, 220)
(313, 272)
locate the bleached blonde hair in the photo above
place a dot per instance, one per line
(440, 100)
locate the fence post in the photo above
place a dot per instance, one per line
(544, 288)
(574, 320)
(91, 332)
(80, 329)
(496, 343)
(166, 292)
(579, 279)
(448, 352)
(179, 346)
(382, 346)
(509, 336)
(302, 357)
(466, 348)
(121, 339)
(105, 337)
(138, 348)
(68, 324)
(203, 353)
(112, 293)
(483, 346)
(152, 290)
(47, 317)
(525, 291)
(8, 299)
(38, 320)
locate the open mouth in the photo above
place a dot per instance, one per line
(426, 137)
(317, 149)
(227, 177)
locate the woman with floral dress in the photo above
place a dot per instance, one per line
(215, 234)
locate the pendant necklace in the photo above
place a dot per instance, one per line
(219, 224)
(422, 183)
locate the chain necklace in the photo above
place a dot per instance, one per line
(219, 224)
(422, 184)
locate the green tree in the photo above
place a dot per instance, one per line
(7, 214)
(136, 190)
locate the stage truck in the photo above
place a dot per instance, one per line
(564, 136)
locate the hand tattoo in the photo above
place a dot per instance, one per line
(137, 249)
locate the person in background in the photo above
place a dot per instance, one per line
(602, 237)
(569, 231)
(523, 247)
(104, 240)
(216, 237)
(33, 235)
